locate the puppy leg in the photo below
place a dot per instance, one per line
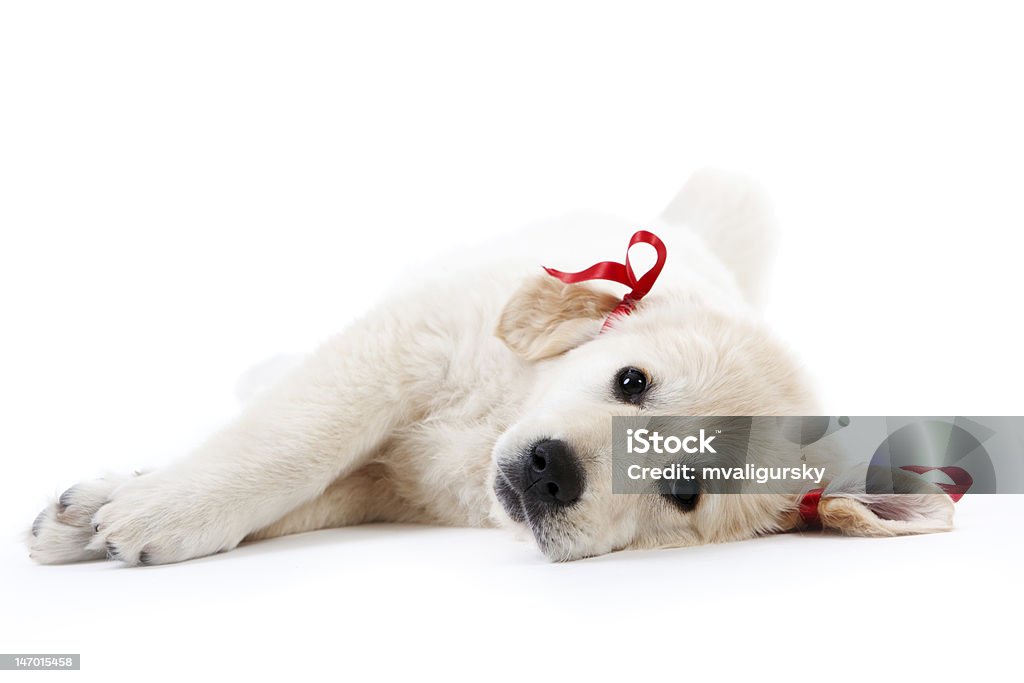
(737, 221)
(364, 496)
(323, 422)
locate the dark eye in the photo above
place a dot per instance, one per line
(684, 494)
(631, 384)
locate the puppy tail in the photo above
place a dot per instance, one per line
(734, 217)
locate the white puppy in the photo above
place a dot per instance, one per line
(484, 398)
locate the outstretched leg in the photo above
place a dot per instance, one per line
(366, 495)
(322, 423)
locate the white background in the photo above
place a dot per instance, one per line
(189, 188)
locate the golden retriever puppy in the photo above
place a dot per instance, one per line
(484, 397)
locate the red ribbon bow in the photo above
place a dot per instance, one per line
(962, 481)
(622, 273)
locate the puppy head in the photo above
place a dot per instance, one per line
(675, 355)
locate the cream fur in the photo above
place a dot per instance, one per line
(408, 413)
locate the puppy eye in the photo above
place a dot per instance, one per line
(684, 494)
(631, 384)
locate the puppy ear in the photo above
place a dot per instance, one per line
(546, 317)
(883, 501)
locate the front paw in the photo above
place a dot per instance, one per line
(159, 520)
(62, 532)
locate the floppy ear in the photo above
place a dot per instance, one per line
(885, 502)
(546, 317)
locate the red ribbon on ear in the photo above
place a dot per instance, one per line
(809, 507)
(962, 481)
(622, 273)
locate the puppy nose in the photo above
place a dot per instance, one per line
(553, 474)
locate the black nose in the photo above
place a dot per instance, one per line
(553, 475)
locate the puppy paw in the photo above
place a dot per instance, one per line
(62, 532)
(159, 520)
